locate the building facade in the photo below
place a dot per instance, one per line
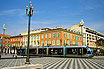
(5, 43)
(46, 37)
(52, 37)
(16, 42)
(89, 36)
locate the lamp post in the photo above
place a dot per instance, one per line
(29, 14)
(42, 49)
(81, 25)
(3, 38)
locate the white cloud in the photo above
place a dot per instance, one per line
(12, 12)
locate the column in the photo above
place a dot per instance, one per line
(37, 51)
(47, 51)
(33, 40)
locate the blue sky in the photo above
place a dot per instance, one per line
(51, 13)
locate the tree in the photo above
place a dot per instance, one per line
(100, 42)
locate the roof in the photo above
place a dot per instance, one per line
(16, 36)
(5, 35)
(57, 30)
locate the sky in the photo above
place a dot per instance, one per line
(51, 13)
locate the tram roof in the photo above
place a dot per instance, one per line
(60, 47)
(56, 47)
(66, 46)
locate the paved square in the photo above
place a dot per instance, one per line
(57, 63)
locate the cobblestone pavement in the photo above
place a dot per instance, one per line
(56, 63)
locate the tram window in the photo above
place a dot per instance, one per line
(55, 51)
(40, 51)
(60, 50)
(88, 51)
(79, 51)
(84, 50)
(72, 51)
(44, 51)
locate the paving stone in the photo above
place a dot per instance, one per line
(56, 63)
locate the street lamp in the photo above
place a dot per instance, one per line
(29, 14)
(42, 49)
(81, 25)
(3, 38)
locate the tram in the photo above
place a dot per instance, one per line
(58, 51)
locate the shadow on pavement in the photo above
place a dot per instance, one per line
(17, 57)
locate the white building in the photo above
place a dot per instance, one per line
(89, 36)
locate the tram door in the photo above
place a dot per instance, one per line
(79, 51)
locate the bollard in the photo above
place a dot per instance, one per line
(13, 55)
(16, 57)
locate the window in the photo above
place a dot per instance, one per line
(58, 42)
(38, 42)
(8, 41)
(57, 34)
(72, 51)
(49, 42)
(68, 42)
(84, 35)
(42, 43)
(68, 35)
(46, 36)
(71, 36)
(64, 35)
(49, 35)
(32, 38)
(19, 39)
(81, 38)
(81, 43)
(0, 44)
(35, 37)
(9, 38)
(31, 43)
(53, 42)
(76, 37)
(76, 43)
(45, 42)
(27, 44)
(6, 45)
(84, 39)
(5, 41)
(0, 41)
(53, 35)
(34, 42)
(42, 36)
(5, 37)
(64, 42)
